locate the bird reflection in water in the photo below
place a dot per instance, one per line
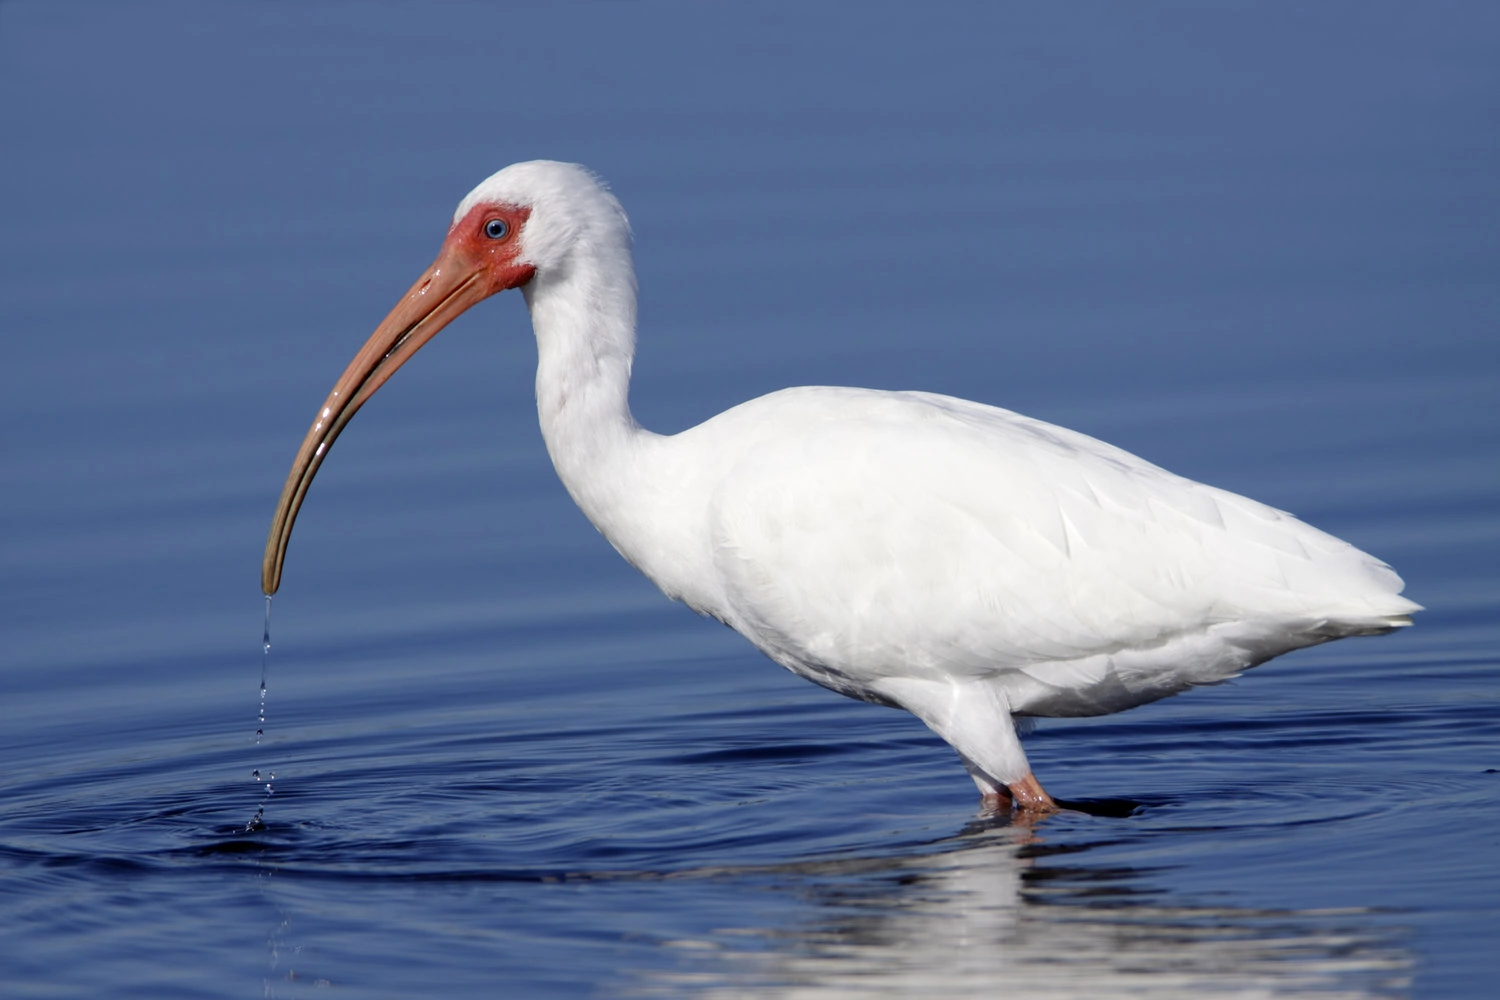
(1000, 913)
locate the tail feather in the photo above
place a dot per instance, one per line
(1339, 628)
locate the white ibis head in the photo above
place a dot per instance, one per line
(499, 239)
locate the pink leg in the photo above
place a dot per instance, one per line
(1025, 796)
(1030, 797)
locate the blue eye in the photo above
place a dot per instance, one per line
(496, 229)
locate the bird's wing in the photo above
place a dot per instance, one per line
(900, 533)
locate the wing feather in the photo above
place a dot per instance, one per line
(886, 534)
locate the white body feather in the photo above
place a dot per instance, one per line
(954, 559)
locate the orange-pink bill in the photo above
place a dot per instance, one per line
(478, 259)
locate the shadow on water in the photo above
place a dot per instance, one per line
(1106, 808)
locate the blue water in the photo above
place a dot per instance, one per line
(1259, 246)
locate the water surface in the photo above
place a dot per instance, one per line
(1258, 248)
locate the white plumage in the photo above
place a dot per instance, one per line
(954, 559)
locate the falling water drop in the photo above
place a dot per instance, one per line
(258, 822)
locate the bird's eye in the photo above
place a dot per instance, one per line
(496, 229)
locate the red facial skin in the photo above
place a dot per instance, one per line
(469, 246)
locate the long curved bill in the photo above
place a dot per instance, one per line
(451, 285)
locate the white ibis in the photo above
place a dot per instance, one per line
(957, 560)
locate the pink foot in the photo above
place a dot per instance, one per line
(1026, 797)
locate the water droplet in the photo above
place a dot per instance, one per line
(257, 822)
